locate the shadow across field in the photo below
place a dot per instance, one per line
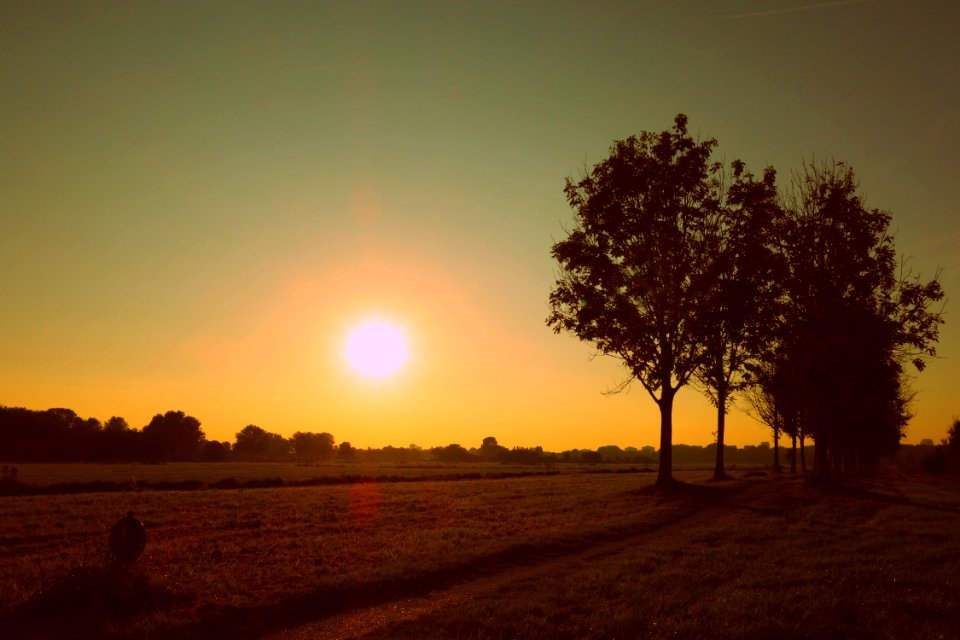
(98, 602)
(859, 491)
(850, 561)
(702, 494)
(315, 607)
(91, 602)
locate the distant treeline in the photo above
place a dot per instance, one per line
(60, 435)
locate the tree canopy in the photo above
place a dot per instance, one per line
(174, 436)
(855, 318)
(636, 269)
(686, 272)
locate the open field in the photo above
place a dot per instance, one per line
(135, 473)
(565, 555)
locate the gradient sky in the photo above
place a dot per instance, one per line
(198, 200)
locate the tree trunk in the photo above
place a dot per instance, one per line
(665, 472)
(803, 453)
(718, 471)
(776, 450)
(793, 452)
(776, 439)
(823, 466)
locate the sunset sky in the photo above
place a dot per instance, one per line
(199, 201)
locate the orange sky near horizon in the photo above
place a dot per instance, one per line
(199, 203)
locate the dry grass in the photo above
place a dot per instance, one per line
(136, 473)
(775, 557)
(874, 560)
(213, 555)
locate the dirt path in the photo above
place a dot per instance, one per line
(365, 620)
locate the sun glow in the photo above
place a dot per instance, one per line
(377, 349)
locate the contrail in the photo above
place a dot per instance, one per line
(806, 7)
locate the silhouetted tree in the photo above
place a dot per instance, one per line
(590, 457)
(524, 455)
(214, 451)
(951, 446)
(854, 320)
(611, 453)
(452, 453)
(345, 451)
(173, 436)
(390, 453)
(739, 317)
(58, 423)
(31, 436)
(312, 447)
(636, 268)
(490, 451)
(119, 441)
(255, 443)
(771, 398)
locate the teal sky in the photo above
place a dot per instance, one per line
(198, 200)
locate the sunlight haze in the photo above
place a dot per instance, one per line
(200, 203)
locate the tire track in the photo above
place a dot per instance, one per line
(366, 620)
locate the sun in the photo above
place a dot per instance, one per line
(377, 349)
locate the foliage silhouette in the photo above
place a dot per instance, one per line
(312, 447)
(853, 320)
(636, 269)
(738, 316)
(951, 446)
(255, 443)
(173, 436)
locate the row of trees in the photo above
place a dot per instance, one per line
(60, 435)
(690, 271)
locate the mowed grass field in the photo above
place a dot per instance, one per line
(572, 555)
(134, 474)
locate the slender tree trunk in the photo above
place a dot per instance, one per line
(665, 472)
(718, 471)
(803, 453)
(826, 449)
(824, 467)
(776, 439)
(776, 450)
(793, 451)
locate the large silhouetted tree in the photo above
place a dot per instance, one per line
(635, 271)
(855, 320)
(739, 316)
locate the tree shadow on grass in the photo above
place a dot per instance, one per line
(90, 602)
(318, 604)
(701, 494)
(863, 491)
(105, 602)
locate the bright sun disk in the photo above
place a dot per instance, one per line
(377, 349)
